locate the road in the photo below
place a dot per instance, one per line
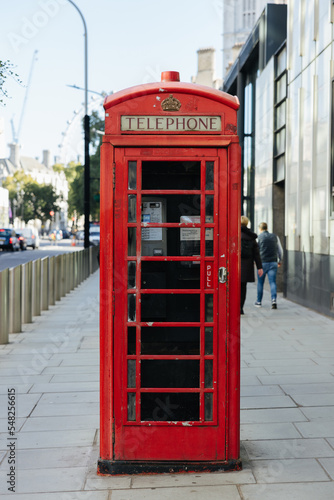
(46, 249)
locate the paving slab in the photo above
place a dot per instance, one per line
(252, 402)
(288, 448)
(68, 495)
(250, 432)
(60, 479)
(288, 471)
(177, 480)
(272, 415)
(194, 492)
(328, 465)
(304, 491)
(49, 458)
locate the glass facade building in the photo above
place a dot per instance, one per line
(284, 78)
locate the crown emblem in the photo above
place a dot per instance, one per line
(171, 104)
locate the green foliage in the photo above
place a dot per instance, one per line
(75, 174)
(29, 199)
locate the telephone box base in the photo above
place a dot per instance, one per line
(112, 468)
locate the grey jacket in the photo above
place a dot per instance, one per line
(270, 247)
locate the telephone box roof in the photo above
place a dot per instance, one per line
(166, 87)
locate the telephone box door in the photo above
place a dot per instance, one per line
(170, 236)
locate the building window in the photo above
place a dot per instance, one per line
(249, 148)
(248, 14)
(280, 115)
(332, 151)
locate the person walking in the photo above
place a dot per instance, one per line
(249, 254)
(271, 253)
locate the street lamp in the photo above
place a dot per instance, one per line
(86, 133)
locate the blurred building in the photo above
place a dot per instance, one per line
(239, 18)
(206, 69)
(4, 207)
(284, 78)
(42, 173)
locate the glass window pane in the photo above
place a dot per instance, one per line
(158, 274)
(132, 181)
(170, 208)
(281, 88)
(161, 407)
(209, 242)
(209, 308)
(209, 180)
(280, 142)
(171, 175)
(208, 374)
(131, 373)
(170, 307)
(280, 115)
(166, 373)
(209, 340)
(131, 406)
(131, 340)
(131, 307)
(279, 169)
(132, 208)
(131, 241)
(209, 208)
(281, 62)
(174, 242)
(170, 340)
(208, 406)
(131, 275)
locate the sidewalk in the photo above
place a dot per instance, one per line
(287, 415)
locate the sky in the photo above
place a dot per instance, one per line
(130, 42)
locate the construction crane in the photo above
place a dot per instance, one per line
(16, 135)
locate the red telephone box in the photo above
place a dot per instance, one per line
(170, 307)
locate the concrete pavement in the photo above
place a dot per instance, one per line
(287, 414)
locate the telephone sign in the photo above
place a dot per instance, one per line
(170, 212)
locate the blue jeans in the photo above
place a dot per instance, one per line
(269, 268)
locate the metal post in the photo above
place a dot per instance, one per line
(15, 319)
(4, 306)
(45, 284)
(86, 133)
(36, 279)
(27, 292)
(52, 288)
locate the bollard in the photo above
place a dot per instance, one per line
(58, 277)
(52, 281)
(4, 306)
(62, 276)
(15, 317)
(26, 292)
(36, 287)
(44, 284)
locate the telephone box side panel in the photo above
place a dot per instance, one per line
(106, 301)
(233, 356)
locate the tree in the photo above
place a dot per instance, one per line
(6, 70)
(39, 200)
(30, 200)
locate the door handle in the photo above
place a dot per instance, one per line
(222, 275)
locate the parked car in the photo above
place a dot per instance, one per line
(94, 235)
(31, 235)
(22, 241)
(9, 240)
(80, 235)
